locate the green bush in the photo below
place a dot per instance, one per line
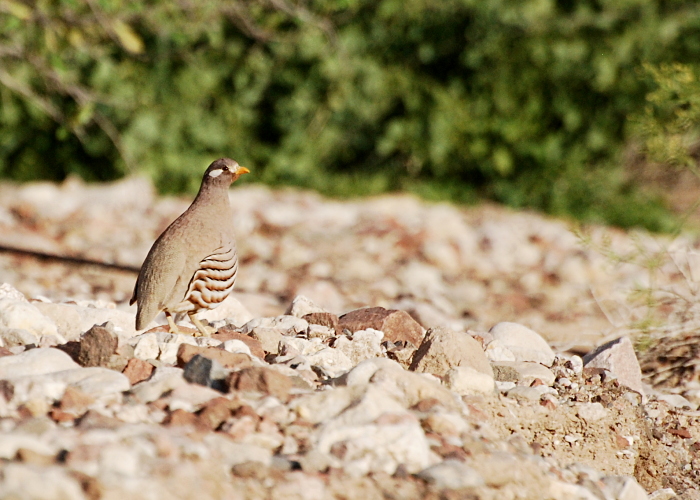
(521, 101)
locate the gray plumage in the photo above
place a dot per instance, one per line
(193, 264)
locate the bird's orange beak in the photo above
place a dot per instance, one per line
(242, 170)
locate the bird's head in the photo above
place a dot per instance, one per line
(223, 171)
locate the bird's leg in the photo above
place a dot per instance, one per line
(173, 327)
(206, 331)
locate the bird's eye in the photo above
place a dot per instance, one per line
(225, 169)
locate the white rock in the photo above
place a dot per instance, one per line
(559, 490)
(95, 381)
(10, 337)
(498, 353)
(376, 447)
(164, 346)
(10, 443)
(39, 483)
(7, 291)
(190, 397)
(232, 453)
(35, 362)
(287, 325)
(591, 412)
(73, 320)
(663, 494)
(524, 343)
(451, 474)
(466, 380)
(164, 379)
(235, 345)
(302, 305)
(365, 344)
(15, 314)
(624, 488)
(230, 310)
(323, 406)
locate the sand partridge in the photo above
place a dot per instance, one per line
(192, 266)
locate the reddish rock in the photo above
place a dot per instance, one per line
(618, 357)
(324, 319)
(181, 418)
(75, 401)
(261, 379)
(96, 347)
(216, 412)
(227, 359)
(254, 345)
(398, 326)
(58, 415)
(138, 370)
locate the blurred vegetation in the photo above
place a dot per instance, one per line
(521, 101)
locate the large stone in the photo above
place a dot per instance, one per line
(72, 320)
(205, 371)
(398, 326)
(97, 346)
(515, 342)
(269, 338)
(443, 349)
(261, 379)
(21, 315)
(618, 357)
(35, 362)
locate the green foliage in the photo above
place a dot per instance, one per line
(521, 101)
(668, 124)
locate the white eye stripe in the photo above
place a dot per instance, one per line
(216, 173)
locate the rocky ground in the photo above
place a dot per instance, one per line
(380, 348)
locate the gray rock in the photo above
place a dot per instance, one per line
(618, 357)
(523, 343)
(451, 474)
(206, 372)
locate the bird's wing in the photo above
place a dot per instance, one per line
(163, 267)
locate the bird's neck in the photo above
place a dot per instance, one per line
(214, 195)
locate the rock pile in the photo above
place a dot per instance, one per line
(313, 405)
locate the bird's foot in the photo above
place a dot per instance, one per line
(204, 330)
